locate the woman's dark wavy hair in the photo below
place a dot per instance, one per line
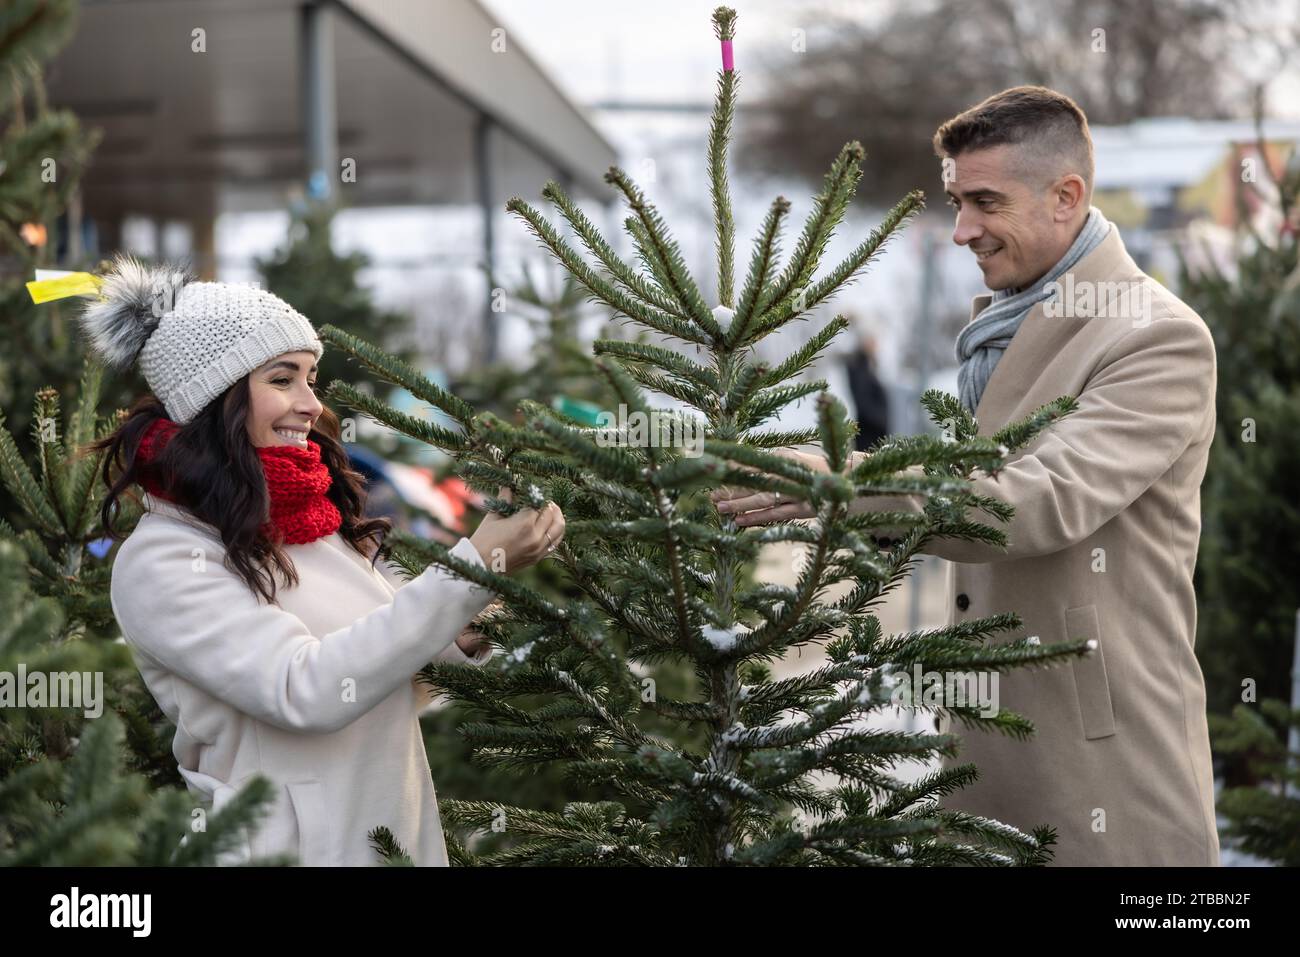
(212, 468)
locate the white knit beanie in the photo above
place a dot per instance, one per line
(193, 340)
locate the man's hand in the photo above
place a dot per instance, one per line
(471, 641)
(763, 508)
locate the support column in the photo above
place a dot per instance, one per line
(203, 245)
(75, 213)
(483, 180)
(319, 103)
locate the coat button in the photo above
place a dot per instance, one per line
(963, 602)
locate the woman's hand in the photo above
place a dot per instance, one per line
(509, 543)
(762, 508)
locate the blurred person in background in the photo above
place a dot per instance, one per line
(870, 400)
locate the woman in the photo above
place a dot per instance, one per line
(311, 683)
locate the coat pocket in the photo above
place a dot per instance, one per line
(1090, 679)
(316, 847)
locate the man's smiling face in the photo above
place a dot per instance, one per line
(1007, 221)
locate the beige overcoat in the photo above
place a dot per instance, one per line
(1102, 546)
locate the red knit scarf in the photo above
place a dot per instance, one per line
(296, 479)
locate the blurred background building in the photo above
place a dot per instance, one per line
(437, 113)
(220, 115)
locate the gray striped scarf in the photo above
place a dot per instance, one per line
(980, 345)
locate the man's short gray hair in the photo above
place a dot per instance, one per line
(1049, 126)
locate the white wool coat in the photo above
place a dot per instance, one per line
(315, 692)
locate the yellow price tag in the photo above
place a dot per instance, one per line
(63, 285)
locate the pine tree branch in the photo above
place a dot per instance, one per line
(393, 370)
(779, 440)
(782, 311)
(837, 191)
(596, 244)
(768, 402)
(724, 222)
(49, 451)
(662, 250)
(805, 355)
(23, 486)
(836, 434)
(763, 261)
(664, 359)
(768, 635)
(604, 292)
(419, 429)
(650, 258)
(84, 467)
(675, 388)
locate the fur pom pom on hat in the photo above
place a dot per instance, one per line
(192, 340)
(133, 298)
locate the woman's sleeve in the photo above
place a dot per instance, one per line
(452, 653)
(178, 604)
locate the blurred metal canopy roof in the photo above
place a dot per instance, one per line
(411, 90)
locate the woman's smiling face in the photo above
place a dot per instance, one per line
(282, 402)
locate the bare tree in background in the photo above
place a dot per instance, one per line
(891, 81)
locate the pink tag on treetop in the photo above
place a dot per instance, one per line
(728, 59)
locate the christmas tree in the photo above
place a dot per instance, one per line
(735, 773)
(1247, 590)
(1246, 584)
(60, 505)
(86, 771)
(1263, 820)
(43, 154)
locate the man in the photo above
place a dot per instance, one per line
(1107, 512)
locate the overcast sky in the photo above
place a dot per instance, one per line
(598, 49)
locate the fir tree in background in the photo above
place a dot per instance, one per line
(64, 541)
(60, 555)
(1263, 820)
(1247, 588)
(309, 275)
(68, 558)
(750, 770)
(43, 155)
(560, 371)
